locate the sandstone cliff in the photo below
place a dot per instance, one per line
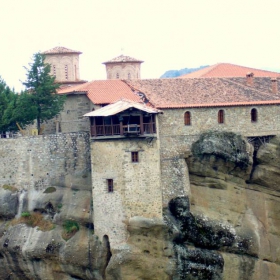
(227, 227)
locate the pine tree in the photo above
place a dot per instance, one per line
(7, 98)
(41, 88)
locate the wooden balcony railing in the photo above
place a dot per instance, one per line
(149, 128)
(115, 129)
(105, 130)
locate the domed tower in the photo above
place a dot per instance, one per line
(123, 67)
(64, 65)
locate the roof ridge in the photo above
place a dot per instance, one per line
(251, 68)
(123, 58)
(220, 104)
(211, 68)
(60, 49)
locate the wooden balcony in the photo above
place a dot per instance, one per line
(123, 130)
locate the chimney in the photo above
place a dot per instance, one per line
(249, 78)
(274, 87)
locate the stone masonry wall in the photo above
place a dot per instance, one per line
(137, 190)
(71, 118)
(60, 61)
(36, 162)
(123, 70)
(176, 138)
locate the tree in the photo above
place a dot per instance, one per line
(42, 98)
(7, 99)
(19, 111)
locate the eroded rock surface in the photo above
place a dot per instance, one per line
(226, 228)
(27, 252)
(245, 198)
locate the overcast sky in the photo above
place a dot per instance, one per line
(165, 34)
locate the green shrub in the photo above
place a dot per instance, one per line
(70, 227)
(10, 188)
(25, 214)
(34, 219)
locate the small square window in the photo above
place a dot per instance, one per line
(134, 157)
(110, 185)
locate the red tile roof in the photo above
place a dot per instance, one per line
(103, 92)
(123, 58)
(59, 50)
(228, 70)
(200, 92)
(181, 93)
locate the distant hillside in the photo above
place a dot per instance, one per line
(177, 73)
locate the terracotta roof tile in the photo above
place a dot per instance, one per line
(229, 70)
(59, 50)
(123, 58)
(200, 92)
(103, 92)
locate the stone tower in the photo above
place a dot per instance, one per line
(64, 65)
(123, 67)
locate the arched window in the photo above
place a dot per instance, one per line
(221, 116)
(117, 76)
(254, 115)
(187, 118)
(129, 76)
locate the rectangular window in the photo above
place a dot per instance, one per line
(110, 184)
(134, 157)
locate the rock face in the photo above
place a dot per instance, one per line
(226, 228)
(29, 252)
(246, 199)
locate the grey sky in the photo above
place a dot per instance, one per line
(165, 34)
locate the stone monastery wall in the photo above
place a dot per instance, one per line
(36, 162)
(176, 137)
(71, 117)
(136, 185)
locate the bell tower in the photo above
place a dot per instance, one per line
(64, 65)
(123, 67)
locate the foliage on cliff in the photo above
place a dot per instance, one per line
(225, 145)
(34, 219)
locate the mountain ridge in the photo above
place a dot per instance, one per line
(177, 73)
